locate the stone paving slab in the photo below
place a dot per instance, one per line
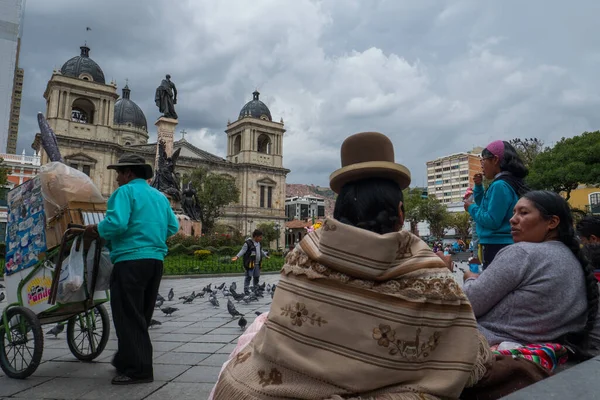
(189, 349)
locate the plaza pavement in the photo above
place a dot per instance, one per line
(189, 350)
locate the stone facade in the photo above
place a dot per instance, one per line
(81, 113)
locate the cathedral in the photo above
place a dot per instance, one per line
(94, 126)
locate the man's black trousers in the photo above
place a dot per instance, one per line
(133, 290)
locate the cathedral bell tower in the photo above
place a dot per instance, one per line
(79, 103)
(254, 138)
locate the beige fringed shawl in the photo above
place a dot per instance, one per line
(358, 314)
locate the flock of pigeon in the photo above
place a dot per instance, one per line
(229, 292)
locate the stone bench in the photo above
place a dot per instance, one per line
(579, 382)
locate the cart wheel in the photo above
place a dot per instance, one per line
(87, 333)
(21, 355)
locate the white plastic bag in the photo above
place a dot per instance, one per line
(71, 274)
(104, 269)
(62, 184)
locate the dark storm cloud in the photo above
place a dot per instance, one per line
(438, 77)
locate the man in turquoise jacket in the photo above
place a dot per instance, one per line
(138, 222)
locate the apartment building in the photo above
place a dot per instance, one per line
(304, 207)
(449, 177)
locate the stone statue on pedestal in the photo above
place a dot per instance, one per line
(190, 203)
(165, 179)
(166, 98)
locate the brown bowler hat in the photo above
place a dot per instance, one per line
(368, 155)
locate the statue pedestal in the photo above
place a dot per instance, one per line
(166, 130)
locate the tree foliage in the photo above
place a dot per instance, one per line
(571, 162)
(269, 232)
(413, 202)
(3, 173)
(461, 223)
(434, 212)
(528, 149)
(215, 191)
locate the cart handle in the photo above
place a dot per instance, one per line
(75, 226)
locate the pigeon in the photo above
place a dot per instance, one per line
(232, 287)
(257, 313)
(231, 309)
(201, 294)
(226, 292)
(189, 299)
(237, 297)
(214, 301)
(56, 330)
(269, 288)
(262, 287)
(154, 322)
(247, 299)
(242, 323)
(160, 298)
(273, 290)
(221, 286)
(2, 296)
(171, 295)
(169, 310)
(1, 286)
(159, 303)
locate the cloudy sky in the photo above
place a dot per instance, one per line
(438, 77)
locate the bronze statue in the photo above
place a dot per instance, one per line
(165, 179)
(166, 98)
(190, 203)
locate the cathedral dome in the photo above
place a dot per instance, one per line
(127, 112)
(83, 67)
(255, 108)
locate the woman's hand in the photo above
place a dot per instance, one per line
(447, 260)
(468, 274)
(467, 203)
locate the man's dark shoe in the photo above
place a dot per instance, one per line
(125, 380)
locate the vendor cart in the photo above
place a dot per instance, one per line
(35, 262)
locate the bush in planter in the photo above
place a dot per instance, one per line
(225, 250)
(202, 254)
(178, 249)
(180, 238)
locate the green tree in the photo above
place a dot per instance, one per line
(215, 191)
(571, 162)
(461, 223)
(413, 201)
(268, 231)
(436, 214)
(528, 149)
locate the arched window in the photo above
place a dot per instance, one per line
(82, 111)
(237, 144)
(127, 143)
(264, 144)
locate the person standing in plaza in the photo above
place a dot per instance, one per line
(138, 221)
(252, 255)
(493, 207)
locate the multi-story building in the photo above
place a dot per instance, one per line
(11, 23)
(305, 207)
(15, 106)
(449, 177)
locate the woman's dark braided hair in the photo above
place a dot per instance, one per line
(370, 204)
(551, 204)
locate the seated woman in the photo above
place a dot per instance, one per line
(363, 309)
(542, 288)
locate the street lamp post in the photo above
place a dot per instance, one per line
(313, 202)
(277, 227)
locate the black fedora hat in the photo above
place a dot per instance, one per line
(133, 160)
